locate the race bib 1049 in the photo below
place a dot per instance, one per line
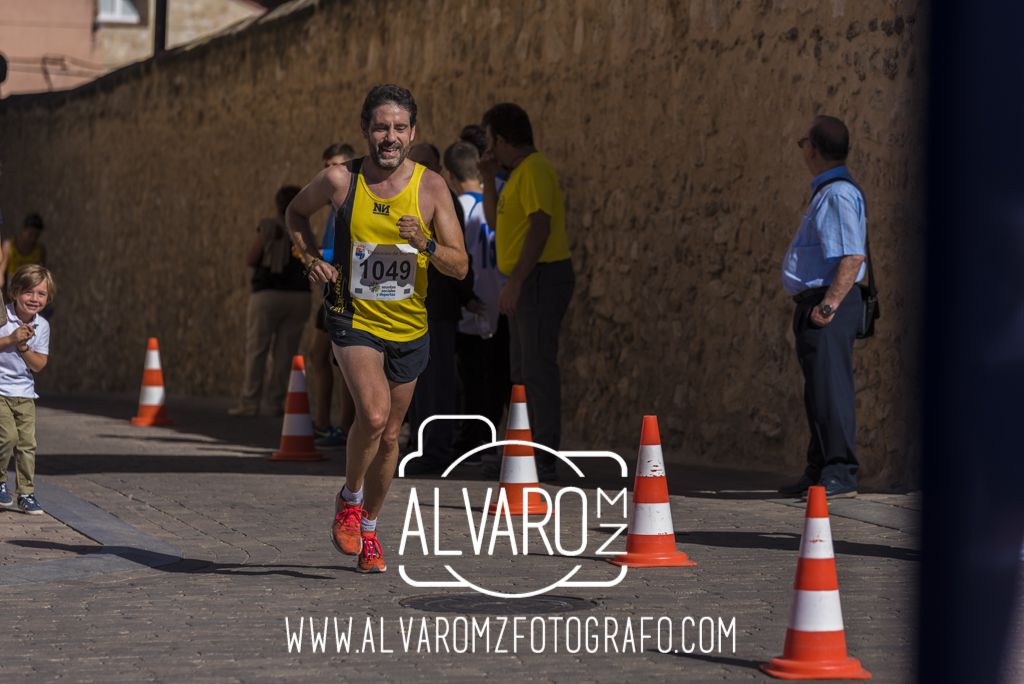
(383, 272)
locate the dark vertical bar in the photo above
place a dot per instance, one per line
(160, 27)
(973, 470)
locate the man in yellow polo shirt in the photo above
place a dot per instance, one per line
(532, 249)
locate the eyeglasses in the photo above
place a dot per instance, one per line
(802, 141)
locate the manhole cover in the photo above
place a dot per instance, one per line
(489, 605)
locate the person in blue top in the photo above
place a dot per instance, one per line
(819, 270)
(320, 355)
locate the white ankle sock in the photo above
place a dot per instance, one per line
(350, 496)
(367, 525)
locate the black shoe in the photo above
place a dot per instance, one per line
(798, 488)
(422, 466)
(475, 460)
(834, 489)
(491, 471)
(547, 473)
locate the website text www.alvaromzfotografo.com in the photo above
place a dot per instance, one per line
(499, 634)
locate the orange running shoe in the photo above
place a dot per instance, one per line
(345, 531)
(339, 503)
(371, 558)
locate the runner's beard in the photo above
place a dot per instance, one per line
(388, 163)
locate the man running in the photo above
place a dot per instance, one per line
(394, 217)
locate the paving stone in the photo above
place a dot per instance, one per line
(254, 539)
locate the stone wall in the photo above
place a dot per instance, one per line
(673, 125)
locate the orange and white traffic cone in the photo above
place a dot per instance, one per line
(518, 464)
(297, 431)
(651, 541)
(152, 410)
(815, 640)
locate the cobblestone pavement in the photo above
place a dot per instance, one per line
(36, 538)
(254, 537)
(912, 501)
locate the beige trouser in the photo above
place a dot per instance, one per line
(18, 437)
(278, 315)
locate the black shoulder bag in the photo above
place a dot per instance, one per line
(870, 311)
(869, 299)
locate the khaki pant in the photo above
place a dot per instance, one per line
(18, 436)
(279, 315)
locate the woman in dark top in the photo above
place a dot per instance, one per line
(278, 310)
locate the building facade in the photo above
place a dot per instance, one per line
(61, 44)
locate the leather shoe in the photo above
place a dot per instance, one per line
(834, 489)
(244, 411)
(422, 466)
(547, 473)
(798, 488)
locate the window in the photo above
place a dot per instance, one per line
(119, 11)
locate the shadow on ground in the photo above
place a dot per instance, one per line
(777, 541)
(790, 541)
(172, 564)
(200, 567)
(716, 660)
(77, 464)
(211, 436)
(80, 549)
(194, 416)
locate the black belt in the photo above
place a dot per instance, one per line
(807, 294)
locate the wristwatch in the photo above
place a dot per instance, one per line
(827, 310)
(431, 247)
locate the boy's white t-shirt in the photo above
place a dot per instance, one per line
(16, 378)
(487, 279)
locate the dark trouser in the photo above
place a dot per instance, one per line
(486, 384)
(435, 394)
(533, 349)
(826, 358)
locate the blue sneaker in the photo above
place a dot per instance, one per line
(321, 432)
(28, 504)
(5, 497)
(336, 438)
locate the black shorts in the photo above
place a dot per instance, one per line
(403, 361)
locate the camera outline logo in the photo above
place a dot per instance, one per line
(566, 457)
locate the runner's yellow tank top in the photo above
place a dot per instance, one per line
(366, 220)
(16, 259)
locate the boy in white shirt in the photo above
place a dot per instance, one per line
(24, 348)
(481, 346)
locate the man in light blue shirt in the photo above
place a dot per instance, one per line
(819, 270)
